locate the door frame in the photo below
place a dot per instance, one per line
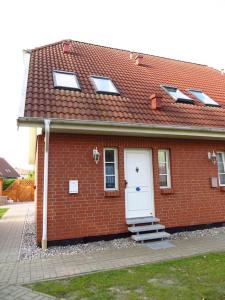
(149, 151)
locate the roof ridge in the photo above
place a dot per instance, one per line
(119, 49)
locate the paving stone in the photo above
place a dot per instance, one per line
(14, 272)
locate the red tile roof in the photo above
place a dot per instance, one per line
(135, 83)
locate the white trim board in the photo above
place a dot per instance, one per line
(126, 129)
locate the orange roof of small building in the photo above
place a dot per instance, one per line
(136, 83)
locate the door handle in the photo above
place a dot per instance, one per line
(125, 183)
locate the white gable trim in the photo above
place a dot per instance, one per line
(26, 60)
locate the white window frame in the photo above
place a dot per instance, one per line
(168, 173)
(183, 99)
(116, 169)
(208, 100)
(223, 159)
(76, 88)
(100, 91)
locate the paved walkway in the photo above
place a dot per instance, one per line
(13, 272)
(11, 229)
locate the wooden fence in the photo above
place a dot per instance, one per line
(20, 190)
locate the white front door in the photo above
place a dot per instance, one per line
(139, 183)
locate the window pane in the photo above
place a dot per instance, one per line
(205, 99)
(110, 169)
(66, 80)
(104, 85)
(221, 168)
(219, 157)
(162, 168)
(177, 94)
(110, 182)
(109, 155)
(222, 179)
(220, 162)
(162, 156)
(163, 180)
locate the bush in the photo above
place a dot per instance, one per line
(31, 175)
(7, 183)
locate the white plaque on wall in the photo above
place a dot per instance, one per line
(214, 182)
(73, 186)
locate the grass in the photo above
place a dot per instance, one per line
(193, 278)
(2, 212)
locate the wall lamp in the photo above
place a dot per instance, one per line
(96, 155)
(212, 157)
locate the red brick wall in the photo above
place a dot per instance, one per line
(91, 212)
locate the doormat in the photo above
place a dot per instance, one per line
(159, 245)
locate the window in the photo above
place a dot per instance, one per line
(220, 157)
(110, 169)
(65, 80)
(164, 169)
(204, 98)
(104, 85)
(177, 95)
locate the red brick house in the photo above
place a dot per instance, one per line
(125, 137)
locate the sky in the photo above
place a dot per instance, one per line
(190, 30)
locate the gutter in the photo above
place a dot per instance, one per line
(45, 188)
(124, 128)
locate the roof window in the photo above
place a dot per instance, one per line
(104, 85)
(177, 95)
(205, 99)
(65, 80)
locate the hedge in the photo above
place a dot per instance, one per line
(7, 183)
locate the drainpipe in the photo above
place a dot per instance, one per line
(45, 189)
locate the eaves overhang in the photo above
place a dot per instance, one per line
(125, 129)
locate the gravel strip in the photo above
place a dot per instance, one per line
(186, 235)
(29, 250)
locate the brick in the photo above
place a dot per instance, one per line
(91, 212)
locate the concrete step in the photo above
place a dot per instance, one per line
(143, 220)
(150, 236)
(146, 228)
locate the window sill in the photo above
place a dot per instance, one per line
(111, 193)
(167, 191)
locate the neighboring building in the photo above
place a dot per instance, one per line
(23, 172)
(6, 170)
(129, 136)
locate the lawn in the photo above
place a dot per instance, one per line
(199, 277)
(2, 212)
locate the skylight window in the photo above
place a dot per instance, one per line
(65, 80)
(177, 95)
(104, 85)
(205, 99)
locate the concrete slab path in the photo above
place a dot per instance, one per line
(11, 229)
(14, 273)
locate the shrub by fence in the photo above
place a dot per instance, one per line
(7, 183)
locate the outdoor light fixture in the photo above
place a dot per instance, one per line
(212, 157)
(96, 155)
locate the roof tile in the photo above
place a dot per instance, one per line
(135, 83)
